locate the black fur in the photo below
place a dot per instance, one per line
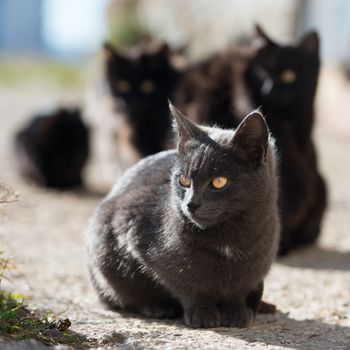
(141, 81)
(53, 148)
(289, 109)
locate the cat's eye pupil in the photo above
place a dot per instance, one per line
(219, 182)
(147, 86)
(122, 85)
(288, 76)
(184, 181)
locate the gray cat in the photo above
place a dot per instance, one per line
(191, 231)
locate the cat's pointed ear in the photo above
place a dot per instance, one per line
(251, 137)
(310, 43)
(108, 51)
(186, 129)
(163, 48)
(262, 39)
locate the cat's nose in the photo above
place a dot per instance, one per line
(192, 206)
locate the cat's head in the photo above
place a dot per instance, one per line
(283, 74)
(220, 174)
(140, 79)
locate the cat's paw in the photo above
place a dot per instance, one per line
(161, 310)
(202, 317)
(240, 317)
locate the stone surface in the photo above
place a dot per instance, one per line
(43, 234)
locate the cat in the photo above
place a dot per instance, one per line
(213, 91)
(282, 81)
(53, 148)
(140, 82)
(193, 231)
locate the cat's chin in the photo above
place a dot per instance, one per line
(201, 223)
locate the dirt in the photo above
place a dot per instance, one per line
(43, 233)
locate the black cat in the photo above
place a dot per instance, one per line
(213, 91)
(53, 148)
(191, 231)
(141, 81)
(282, 80)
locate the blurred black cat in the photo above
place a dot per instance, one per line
(191, 231)
(141, 81)
(53, 148)
(282, 80)
(213, 91)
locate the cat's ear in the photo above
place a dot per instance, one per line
(310, 43)
(262, 39)
(163, 48)
(185, 129)
(109, 52)
(251, 137)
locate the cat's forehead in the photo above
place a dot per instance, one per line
(282, 56)
(208, 157)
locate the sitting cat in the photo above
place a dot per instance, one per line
(191, 231)
(140, 82)
(53, 148)
(282, 80)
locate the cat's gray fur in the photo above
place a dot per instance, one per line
(149, 254)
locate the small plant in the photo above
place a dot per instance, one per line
(6, 195)
(17, 322)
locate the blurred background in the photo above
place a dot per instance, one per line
(50, 52)
(47, 43)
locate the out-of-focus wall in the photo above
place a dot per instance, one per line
(20, 26)
(332, 20)
(208, 25)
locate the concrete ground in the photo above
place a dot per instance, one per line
(43, 233)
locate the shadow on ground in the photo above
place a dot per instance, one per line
(318, 258)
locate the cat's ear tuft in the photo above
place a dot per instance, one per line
(185, 129)
(310, 43)
(262, 39)
(163, 48)
(251, 137)
(108, 51)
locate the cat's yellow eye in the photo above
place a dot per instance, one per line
(147, 86)
(219, 182)
(184, 181)
(122, 86)
(288, 76)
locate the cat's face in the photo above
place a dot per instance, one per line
(219, 172)
(283, 74)
(140, 80)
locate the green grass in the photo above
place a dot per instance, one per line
(16, 72)
(17, 322)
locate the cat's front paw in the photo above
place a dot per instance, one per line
(162, 310)
(241, 317)
(202, 317)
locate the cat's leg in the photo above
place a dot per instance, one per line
(201, 313)
(241, 313)
(309, 231)
(285, 243)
